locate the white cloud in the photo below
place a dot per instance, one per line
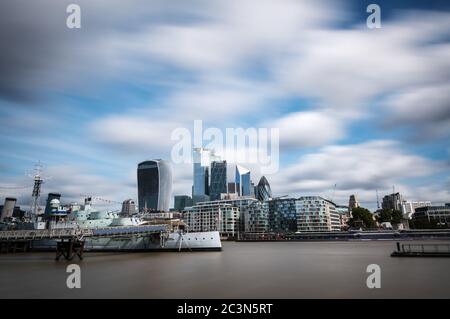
(347, 68)
(144, 134)
(357, 168)
(308, 129)
(425, 109)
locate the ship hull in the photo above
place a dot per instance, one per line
(202, 241)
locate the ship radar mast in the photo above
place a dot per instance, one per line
(36, 194)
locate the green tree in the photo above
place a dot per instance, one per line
(361, 215)
(391, 216)
(397, 217)
(385, 216)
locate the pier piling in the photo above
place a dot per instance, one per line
(69, 249)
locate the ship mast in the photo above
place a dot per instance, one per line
(35, 195)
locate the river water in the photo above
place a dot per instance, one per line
(241, 270)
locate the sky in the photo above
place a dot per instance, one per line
(359, 110)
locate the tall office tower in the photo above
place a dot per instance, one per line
(201, 159)
(181, 202)
(243, 181)
(352, 203)
(232, 188)
(128, 207)
(263, 191)
(8, 209)
(207, 181)
(218, 179)
(154, 185)
(392, 201)
(47, 204)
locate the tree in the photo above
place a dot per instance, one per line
(361, 215)
(392, 216)
(385, 216)
(397, 217)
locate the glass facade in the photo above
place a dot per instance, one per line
(317, 214)
(182, 201)
(283, 215)
(154, 185)
(263, 191)
(243, 181)
(257, 217)
(201, 166)
(213, 216)
(218, 179)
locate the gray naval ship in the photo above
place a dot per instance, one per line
(170, 235)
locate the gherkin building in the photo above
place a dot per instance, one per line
(263, 191)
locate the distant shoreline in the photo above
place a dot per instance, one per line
(350, 236)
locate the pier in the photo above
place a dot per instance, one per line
(70, 241)
(422, 250)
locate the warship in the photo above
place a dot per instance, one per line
(172, 234)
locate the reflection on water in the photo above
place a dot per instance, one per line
(241, 270)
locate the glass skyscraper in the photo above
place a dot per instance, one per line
(201, 159)
(154, 185)
(243, 181)
(263, 191)
(218, 179)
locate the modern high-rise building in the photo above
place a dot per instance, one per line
(128, 207)
(243, 181)
(50, 196)
(392, 201)
(262, 190)
(201, 162)
(8, 208)
(154, 179)
(316, 214)
(218, 179)
(182, 201)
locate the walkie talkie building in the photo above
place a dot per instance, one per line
(154, 185)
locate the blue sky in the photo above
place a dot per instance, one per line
(361, 108)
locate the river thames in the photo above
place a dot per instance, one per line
(241, 270)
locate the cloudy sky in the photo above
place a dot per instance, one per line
(363, 109)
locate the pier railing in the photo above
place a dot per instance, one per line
(422, 250)
(80, 233)
(44, 234)
(425, 248)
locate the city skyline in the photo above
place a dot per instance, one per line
(357, 108)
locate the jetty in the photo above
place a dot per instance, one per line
(70, 241)
(422, 250)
